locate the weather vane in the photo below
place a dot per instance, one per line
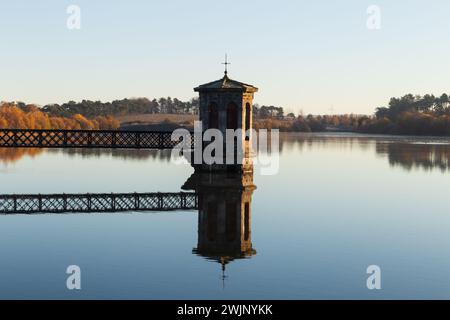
(226, 63)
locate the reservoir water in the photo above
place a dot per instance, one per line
(339, 203)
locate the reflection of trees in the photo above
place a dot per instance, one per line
(291, 141)
(124, 154)
(287, 142)
(409, 155)
(11, 155)
(406, 152)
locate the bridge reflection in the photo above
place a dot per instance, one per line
(223, 201)
(97, 202)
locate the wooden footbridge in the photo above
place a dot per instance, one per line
(59, 203)
(27, 138)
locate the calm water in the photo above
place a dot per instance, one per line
(339, 204)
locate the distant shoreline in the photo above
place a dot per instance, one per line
(169, 127)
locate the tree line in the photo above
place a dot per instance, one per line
(24, 116)
(123, 107)
(407, 115)
(410, 114)
(312, 123)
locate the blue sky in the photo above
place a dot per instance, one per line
(316, 56)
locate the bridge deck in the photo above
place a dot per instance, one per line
(59, 203)
(27, 138)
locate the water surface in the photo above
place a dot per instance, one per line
(339, 203)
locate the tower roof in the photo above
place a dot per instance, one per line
(226, 84)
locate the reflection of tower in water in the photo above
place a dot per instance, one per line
(224, 220)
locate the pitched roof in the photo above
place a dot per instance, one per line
(226, 84)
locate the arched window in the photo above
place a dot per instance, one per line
(232, 116)
(248, 115)
(246, 221)
(213, 116)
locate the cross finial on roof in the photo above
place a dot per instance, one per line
(222, 262)
(226, 63)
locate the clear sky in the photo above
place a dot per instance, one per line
(316, 56)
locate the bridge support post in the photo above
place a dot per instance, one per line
(65, 202)
(113, 202)
(138, 140)
(113, 139)
(160, 201)
(136, 201)
(183, 200)
(89, 138)
(160, 141)
(89, 202)
(15, 138)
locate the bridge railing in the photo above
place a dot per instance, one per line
(33, 138)
(101, 202)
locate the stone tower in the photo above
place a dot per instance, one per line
(228, 104)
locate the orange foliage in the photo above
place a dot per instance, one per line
(12, 117)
